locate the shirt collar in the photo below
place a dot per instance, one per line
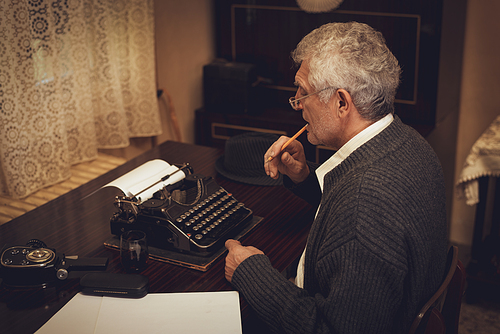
(349, 147)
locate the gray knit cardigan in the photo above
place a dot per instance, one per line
(376, 250)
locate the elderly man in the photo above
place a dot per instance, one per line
(377, 248)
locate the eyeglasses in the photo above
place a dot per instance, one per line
(295, 102)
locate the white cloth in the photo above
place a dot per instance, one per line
(483, 160)
(334, 161)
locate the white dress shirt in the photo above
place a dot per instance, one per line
(334, 161)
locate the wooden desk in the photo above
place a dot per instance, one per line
(76, 227)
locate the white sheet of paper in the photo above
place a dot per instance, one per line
(78, 316)
(193, 312)
(138, 179)
(190, 312)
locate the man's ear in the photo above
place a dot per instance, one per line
(344, 101)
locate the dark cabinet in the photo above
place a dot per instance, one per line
(264, 32)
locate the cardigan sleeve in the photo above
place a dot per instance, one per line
(309, 190)
(286, 308)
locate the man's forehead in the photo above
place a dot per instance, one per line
(302, 76)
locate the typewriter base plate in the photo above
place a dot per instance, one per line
(199, 263)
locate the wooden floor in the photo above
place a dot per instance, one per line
(80, 174)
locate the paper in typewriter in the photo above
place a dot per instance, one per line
(142, 177)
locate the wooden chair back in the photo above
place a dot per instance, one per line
(441, 314)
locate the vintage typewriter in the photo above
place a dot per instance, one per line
(181, 212)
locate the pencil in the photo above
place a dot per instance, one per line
(289, 141)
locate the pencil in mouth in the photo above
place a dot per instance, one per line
(289, 141)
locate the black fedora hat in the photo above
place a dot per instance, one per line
(243, 159)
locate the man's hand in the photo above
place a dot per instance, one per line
(290, 162)
(237, 254)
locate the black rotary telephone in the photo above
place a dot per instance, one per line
(36, 265)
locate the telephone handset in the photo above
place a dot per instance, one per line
(36, 265)
(194, 215)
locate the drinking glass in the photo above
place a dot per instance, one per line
(134, 252)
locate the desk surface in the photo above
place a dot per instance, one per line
(77, 227)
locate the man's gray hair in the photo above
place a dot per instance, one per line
(352, 56)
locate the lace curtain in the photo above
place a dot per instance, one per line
(75, 76)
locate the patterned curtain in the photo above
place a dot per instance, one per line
(75, 76)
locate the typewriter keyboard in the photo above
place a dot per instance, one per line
(213, 217)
